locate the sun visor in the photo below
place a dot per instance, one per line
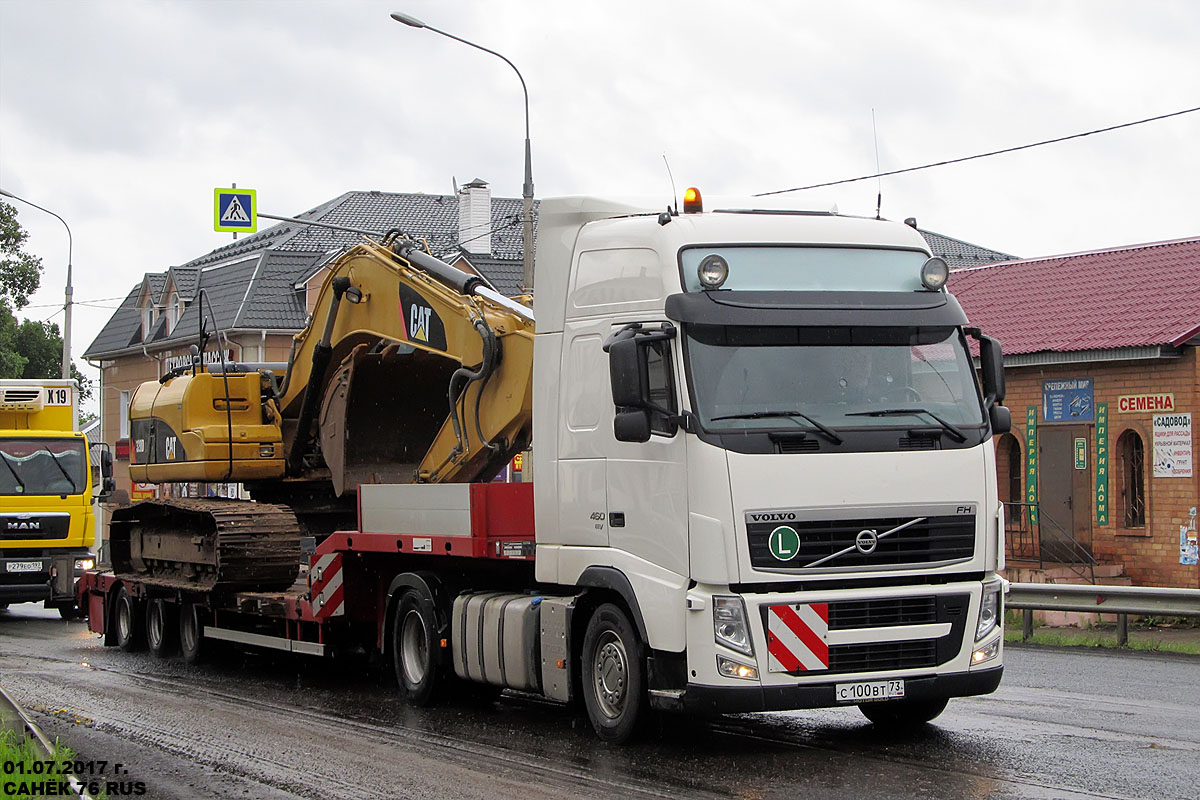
(874, 309)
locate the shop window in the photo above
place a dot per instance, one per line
(1132, 454)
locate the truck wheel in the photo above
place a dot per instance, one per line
(160, 634)
(128, 622)
(899, 714)
(613, 675)
(191, 634)
(413, 648)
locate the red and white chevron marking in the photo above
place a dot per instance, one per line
(325, 586)
(796, 637)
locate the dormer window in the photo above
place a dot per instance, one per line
(174, 311)
(149, 317)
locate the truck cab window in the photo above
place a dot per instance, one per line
(661, 385)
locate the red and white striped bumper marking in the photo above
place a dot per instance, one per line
(797, 637)
(325, 586)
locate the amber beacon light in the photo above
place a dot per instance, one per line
(692, 202)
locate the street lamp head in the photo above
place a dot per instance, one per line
(407, 20)
(8, 194)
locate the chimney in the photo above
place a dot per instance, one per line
(475, 217)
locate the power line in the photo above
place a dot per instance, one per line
(983, 155)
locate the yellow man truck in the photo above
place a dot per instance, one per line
(47, 526)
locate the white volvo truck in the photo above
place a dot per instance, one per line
(763, 477)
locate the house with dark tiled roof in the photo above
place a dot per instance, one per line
(256, 292)
(1100, 353)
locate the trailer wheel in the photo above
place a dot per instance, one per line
(900, 714)
(413, 648)
(613, 675)
(191, 634)
(130, 633)
(160, 633)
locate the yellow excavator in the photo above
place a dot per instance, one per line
(409, 371)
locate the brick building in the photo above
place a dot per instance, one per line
(1103, 382)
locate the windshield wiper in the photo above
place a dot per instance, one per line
(954, 432)
(20, 482)
(67, 475)
(825, 429)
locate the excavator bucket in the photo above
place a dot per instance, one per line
(381, 412)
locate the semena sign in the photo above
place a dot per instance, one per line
(1146, 403)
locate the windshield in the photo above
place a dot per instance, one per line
(755, 379)
(41, 466)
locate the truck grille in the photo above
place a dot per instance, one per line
(930, 540)
(882, 613)
(34, 526)
(889, 612)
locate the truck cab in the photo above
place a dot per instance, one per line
(47, 523)
(767, 426)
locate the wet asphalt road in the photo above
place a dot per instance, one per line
(1064, 724)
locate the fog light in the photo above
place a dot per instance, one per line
(986, 653)
(85, 563)
(734, 669)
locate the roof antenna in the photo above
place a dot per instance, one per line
(879, 185)
(674, 194)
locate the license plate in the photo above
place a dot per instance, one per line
(24, 566)
(866, 692)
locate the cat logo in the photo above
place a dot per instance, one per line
(170, 447)
(418, 322)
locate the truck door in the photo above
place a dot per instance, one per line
(647, 481)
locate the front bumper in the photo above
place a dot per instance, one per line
(53, 581)
(702, 699)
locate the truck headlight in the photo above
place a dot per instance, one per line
(729, 624)
(84, 563)
(989, 611)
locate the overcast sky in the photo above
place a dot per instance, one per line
(122, 116)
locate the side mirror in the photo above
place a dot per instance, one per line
(624, 369)
(991, 363)
(1001, 419)
(107, 483)
(632, 426)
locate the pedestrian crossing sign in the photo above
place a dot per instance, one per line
(235, 210)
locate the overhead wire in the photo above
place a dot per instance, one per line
(983, 155)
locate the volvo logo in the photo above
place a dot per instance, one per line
(866, 541)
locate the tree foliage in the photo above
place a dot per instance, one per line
(28, 348)
(20, 273)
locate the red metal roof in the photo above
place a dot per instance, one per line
(1140, 295)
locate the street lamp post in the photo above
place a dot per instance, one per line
(527, 190)
(66, 351)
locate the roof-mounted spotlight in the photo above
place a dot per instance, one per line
(934, 273)
(713, 271)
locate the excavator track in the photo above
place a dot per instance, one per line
(207, 544)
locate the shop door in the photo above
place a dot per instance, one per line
(1064, 498)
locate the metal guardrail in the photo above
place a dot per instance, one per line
(1119, 600)
(16, 719)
